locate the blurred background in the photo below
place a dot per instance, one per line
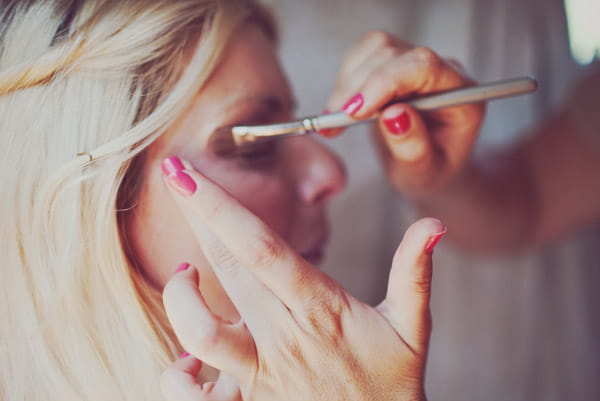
(517, 327)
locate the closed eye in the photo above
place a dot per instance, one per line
(248, 111)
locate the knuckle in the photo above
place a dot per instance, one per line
(223, 258)
(265, 250)
(304, 278)
(289, 346)
(379, 38)
(389, 52)
(455, 63)
(382, 78)
(428, 58)
(422, 284)
(325, 313)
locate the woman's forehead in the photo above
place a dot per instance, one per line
(250, 71)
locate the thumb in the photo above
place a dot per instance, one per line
(404, 138)
(406, 305)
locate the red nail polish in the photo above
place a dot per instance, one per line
(182, 267)
(434, 239)
(182, 183)
(354, 104)
(326, 132)
(185, 354)
(171, 165)
(399, 124)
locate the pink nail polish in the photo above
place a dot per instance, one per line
(185, 354)
(182, 267)
(399, 124)
(354, 104)
(171, 165)
(434, 239)
(182, 183)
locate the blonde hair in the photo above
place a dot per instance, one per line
(79, 321)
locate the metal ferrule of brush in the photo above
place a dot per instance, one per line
(333, 120)
(248, 134)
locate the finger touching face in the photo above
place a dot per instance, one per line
(286, 183)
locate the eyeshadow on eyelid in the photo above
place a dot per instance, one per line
(253, 111)
(269, 104)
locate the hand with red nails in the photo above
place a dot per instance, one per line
(301, 336)
(421, 152)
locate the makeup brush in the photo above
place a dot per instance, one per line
(231, 139)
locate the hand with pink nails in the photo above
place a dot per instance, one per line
(300, 336)
(422, 152)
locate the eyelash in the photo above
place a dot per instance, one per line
(260, 153)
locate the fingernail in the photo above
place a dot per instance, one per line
(182, 183)
(327, 132)
(434, 239)
(398, 124)
(182, 267)
(184, 355)
(171, 165)
(354, 104)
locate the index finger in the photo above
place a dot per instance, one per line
(416, 72)
(251, 242)
(367, 46)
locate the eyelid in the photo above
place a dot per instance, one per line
(258, 114)
(256, 154)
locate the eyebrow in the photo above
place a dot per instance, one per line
(272, 104)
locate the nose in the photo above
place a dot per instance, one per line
(321, 173)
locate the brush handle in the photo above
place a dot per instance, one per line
(454, 97)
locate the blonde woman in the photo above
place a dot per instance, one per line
(106, 108)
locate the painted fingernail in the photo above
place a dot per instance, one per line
(354, 104)
(182, 267)
(171, 165)
(184, 355)
(182, 183)
(398, 124)
(434, 239)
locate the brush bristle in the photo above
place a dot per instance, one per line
(222, 141)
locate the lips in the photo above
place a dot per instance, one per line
(314, 256)
(311, 235)
(315, 251)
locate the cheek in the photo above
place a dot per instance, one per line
(266, 192)
(160, 235)
(162, 238)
